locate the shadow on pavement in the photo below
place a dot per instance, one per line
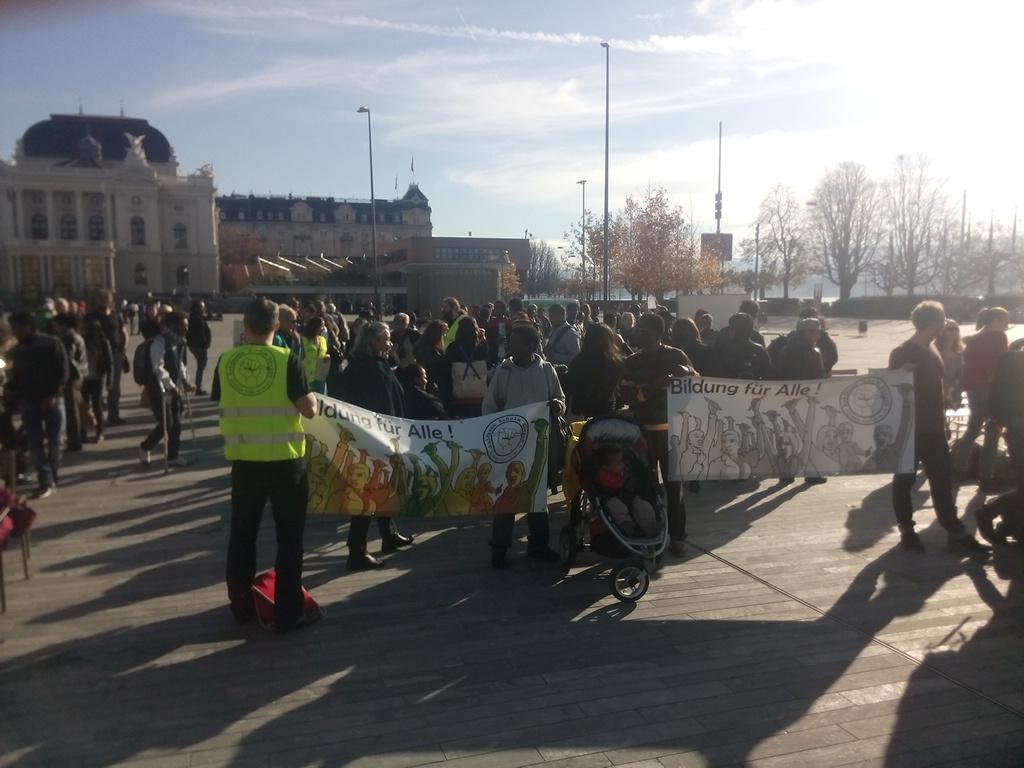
(447, 658)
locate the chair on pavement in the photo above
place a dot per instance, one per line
(15, 522)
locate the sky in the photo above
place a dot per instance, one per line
(502, 104)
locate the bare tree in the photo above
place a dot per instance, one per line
(845, 224)
(544, 273)
(768, 274)
(782, 236)
(995, 260)
(915, 204)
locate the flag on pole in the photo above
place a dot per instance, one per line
(412, 165)
(396, 183)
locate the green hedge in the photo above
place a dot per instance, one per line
(961, 308)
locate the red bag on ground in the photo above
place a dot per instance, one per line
(23, 519)
(264, 588)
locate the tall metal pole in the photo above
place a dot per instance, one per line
(718, 194)
(583, 243)
(607, 71)
(373, 219)
(757, 251)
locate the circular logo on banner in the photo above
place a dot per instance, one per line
(505, 437)
(866, 401)
(251, 371)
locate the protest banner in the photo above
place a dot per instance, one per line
(364, 463)
(724, 429)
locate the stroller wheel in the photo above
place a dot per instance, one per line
(629, 581)
(568, 546)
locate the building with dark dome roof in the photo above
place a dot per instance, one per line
(97, 201)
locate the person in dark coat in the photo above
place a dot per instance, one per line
(742, 358)
(429, 353)
(592, 381)
(686, 337)
(801, 358)
(420, 404)
(198, 337)
(38, 373)
(368, 382)
(465, 359)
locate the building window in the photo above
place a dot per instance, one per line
(62, 272)
(94, 273)
(68, 227)
(39, 227)
(138, 227)
(96, 229)
(180, 236)
(223, 216)
(241, 216)
(31, 274)
(141, 274)
(136, 201)
(259, 215)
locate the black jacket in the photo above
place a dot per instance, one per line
(703, 357)
(369, 383)
(39, 368)
(423, 406)
(826, 345)
(744, 360)
(799, 360)
(198, 335)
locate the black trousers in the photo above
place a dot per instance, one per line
(933, 453)
(92, 392)
(156, 402)
(657, 447)
(359, 526)
(538, 536)
(1010, 505)
(284, 484)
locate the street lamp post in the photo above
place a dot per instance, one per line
(583, 243)
(607, 49)
(373, 218)
(757, 251)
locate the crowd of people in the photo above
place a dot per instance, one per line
(66, 366)
(63, 373)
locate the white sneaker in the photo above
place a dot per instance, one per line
(144, 456)
(181, 461)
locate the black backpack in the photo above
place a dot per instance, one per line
(142, 366)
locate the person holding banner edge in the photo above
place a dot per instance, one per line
(368, 382)
(522, 379)
(918, 355)
(263, 393)
(646, 377)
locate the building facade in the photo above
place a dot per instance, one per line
(340, 229)
(473, 269)
(91, 202)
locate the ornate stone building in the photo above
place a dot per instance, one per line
(305, 227)
(94, 202)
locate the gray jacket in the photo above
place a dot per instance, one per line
(512, 386)
(563, 344)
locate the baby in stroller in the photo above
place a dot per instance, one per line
(619, 492)
(618, 511)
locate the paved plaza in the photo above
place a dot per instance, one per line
(794, 634)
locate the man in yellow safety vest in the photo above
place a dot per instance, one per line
(263, 395)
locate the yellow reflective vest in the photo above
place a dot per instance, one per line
(258, 421)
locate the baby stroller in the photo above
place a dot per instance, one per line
(592, 527)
